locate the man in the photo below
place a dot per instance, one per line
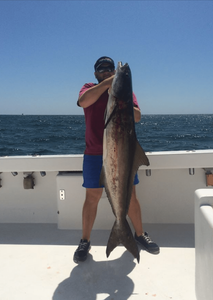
(93, 99)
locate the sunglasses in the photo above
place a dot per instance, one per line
(105, 69)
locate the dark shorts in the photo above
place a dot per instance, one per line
(92, 165)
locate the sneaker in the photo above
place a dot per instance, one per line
(82, 251)
(146, 243)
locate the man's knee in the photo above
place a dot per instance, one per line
(93, 195)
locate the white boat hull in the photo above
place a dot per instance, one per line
(167, 196)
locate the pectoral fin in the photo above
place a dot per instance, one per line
(140, 156)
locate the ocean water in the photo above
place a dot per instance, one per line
(64, 134)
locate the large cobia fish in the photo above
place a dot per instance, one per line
(122, 156)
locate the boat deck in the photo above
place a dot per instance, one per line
(37, 263)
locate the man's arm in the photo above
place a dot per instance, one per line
(91, 95)
(137, 114)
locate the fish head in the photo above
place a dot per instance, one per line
(121, 87)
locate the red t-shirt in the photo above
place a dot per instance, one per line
(94, 119)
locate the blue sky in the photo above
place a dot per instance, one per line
(48, 49)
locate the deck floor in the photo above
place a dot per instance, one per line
(36, 262)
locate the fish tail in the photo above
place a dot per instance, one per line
(122, 234)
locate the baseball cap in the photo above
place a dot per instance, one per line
(104, 60)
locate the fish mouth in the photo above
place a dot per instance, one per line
(125, 69)
(120, 65)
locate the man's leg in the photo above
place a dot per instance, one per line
(141, 237)
(134, 213)
(90, 210)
